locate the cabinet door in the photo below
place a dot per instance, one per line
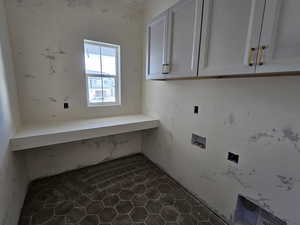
(280, 37)
(157, 47)
(230, 37)
(185, 28)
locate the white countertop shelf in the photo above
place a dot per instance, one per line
(62, 132)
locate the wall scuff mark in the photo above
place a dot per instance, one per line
(257, 137)
(237, 175)
(230, 120)
(52, 99)
(263, 202)
(278, 135)
(287, 183)
(79, 3)
(292, 136)
(29, 76)
(51, 58)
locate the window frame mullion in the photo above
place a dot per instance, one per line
(116, 77)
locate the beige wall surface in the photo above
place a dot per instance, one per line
(13, 176)
(257, 118)
(47, 41)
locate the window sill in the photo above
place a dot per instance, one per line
(104, 105)
(62, 132)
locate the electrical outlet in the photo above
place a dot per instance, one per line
(66, 105)
(199, 141)
(233, 157)
(196, 109)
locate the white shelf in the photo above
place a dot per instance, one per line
(62, 132)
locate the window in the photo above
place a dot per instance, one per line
(102, 68)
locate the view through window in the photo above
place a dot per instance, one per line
(102, 68)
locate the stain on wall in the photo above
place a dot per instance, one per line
(236, 175)
(29, 76)
(287, 183)
(52, 99)
(51, 57)
(230, 120)
(277, 136)
(291, 136)
(79, 3)
(261, 135)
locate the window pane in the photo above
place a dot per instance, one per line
(109, 55)
(101, 90)
(92, 54)
(109, 90)
(95, 90)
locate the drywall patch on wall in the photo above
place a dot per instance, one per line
(51, 160)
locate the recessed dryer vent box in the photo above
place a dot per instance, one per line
(249, 213)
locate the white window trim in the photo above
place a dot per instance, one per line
(117, 76)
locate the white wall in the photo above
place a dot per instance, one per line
(13, 177)
(52, 160)
(258, 118)
(47, 40)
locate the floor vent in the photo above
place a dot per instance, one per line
(249, 213)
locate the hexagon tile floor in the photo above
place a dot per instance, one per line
(128, 191)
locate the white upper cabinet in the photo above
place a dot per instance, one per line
(230, 37)
(185, 29)
(157, 48)
(280, 38)
(209, 38)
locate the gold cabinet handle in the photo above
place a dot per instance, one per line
(165, 68)
(261, 55)
(251, 57)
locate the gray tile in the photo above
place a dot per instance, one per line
(90, 220)
(138, 214)
(188, 220)
(95, 208)
(122, 220)
(129, 191)
(64, 208)
(75, 215)
(111, 200)
(42, 216)
(126, 194)
(56, 220)
(154, 220)
(124, 207)
(183, 206)
(169, 213)
(153, 206)
(107, 215)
